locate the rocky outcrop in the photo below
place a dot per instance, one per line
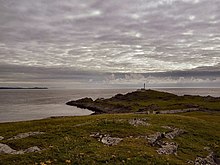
(209, 160)
(167, 148)
(106, 139)
(99, 106)
(1, 137)
(138, 122)
(154, 138)
(24, 135)
(32, 149)
(174, 133)
(5, 149)
(110, 141)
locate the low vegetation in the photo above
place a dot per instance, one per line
(68, 140)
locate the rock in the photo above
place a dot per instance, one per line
(24, 135)
(174, 133)
(5, 149)
(168, 148)
(110, 140)
(106, 139)
(96, 135)
(137, 122)
(153, 139)
(209, 160)
(167, 127)
(32, 149)
(1, 137)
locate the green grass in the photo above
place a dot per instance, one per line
(69, 139)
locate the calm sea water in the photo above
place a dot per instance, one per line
(20, 105)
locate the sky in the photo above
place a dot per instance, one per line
(110, 44)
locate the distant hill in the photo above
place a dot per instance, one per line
(23, 88)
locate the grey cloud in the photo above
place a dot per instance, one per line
(89, 37)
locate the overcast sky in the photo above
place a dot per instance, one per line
(110, 43)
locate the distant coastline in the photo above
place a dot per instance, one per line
(23, 88)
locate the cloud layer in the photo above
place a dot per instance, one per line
(104, 37)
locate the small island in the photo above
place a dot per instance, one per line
(149, 102)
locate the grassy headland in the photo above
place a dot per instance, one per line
(148, 101)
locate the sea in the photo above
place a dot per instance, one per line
(32, 104)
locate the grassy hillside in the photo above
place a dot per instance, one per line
(68, 140)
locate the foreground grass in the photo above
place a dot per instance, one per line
(67, 140)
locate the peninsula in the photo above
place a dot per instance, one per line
(149, 101)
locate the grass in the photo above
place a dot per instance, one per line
(67, 140)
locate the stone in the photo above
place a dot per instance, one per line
(96, 135)
(5, 149)
(32, 149)
(209, 160)
(167, 127)
(110, 141)
(24, 135)
(106, 139)
(138, 122)
(176, 132)
(153, 139)
(1, 137)
(168, 148)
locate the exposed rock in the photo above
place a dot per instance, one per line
(24, 135)
(1, 137)
(110, 140)
(137, 122)
(168, 148)
(153, 139)
(32, 149)
(174, 133)
(99, 106)
(106, 139)
(209, 160)
(5, 149)
(168, 127)
(97, 135)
